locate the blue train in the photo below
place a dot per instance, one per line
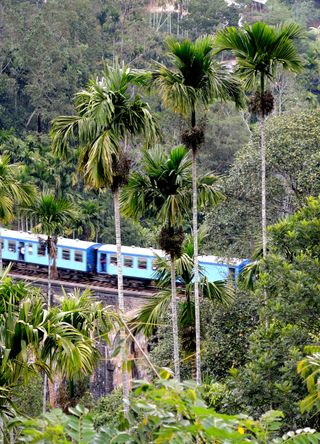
(91, 257)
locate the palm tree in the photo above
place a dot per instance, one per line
(149, 316)
(84, 226)
(93, 320)
(52, 215)
(35, 339)
(309, 370)
(194, 79)
(108, 114)
(259, 49)
(162, 192)
(12, 191)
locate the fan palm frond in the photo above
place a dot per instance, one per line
(196, 78)
(259, 48)
(106, 113)
(51, 213)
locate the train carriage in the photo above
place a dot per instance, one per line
(217, 268)
(26, 247)
(138, 263)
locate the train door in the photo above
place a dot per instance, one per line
(103, 262)
(21, 250)
(92, 262)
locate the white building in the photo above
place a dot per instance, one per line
(254, 2)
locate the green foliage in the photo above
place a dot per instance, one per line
(162, 192)
(12, 189)
(259, 48)
(34, 339)
(153, 314)
(309, 368)
(109, 410)
(300, 233)
(227, 335)
(51, 213)
(206, 16)
(269, 379)
(74, 39)
(196, 78)
(27, 397)
(290, 275)
(166, 412)
(292, 174)
(106, 115)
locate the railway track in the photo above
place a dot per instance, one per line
(70, 281)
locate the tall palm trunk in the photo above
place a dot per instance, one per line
(125, 382)
(263, 187)
(52, 398)
(193, 367)
(44, 398)
(263, 169)
(263, 203)
(175, 319)
(196, 264)
(196, 251)
(49, 280)
(1, 261)
(45, 379)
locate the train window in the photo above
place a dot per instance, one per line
(154, 265)
(41, 250)
(12, 246)
(113, 260)
(142, 263)
(78, 256)
(128, 262)
(66, 254)
(30, 249)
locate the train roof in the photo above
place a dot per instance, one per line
(138, 251)
(62, 241)
(222, 260)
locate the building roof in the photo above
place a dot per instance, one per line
(62, 241)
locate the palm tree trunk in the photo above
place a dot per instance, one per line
(44, 399)
(1, 261)
(175, 319)
(45, 380)
(193, 367)
(196, 265)
(263, 187)
(263, 204)
(51, 394)
(125, 382)
(49, 280)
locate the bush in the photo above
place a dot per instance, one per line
(108, 410)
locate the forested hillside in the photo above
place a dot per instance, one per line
(92, 90)
(50, 49)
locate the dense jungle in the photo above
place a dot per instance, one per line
(190, 126)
